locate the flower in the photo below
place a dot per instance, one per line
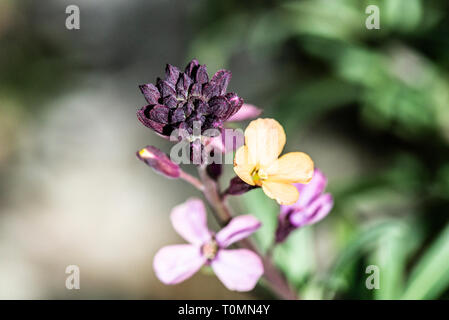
(185, 97)
(159, 161)
(311, 207)
(257, 162)
(238, 269)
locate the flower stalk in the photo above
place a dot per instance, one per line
(223, 213)
(192, 180)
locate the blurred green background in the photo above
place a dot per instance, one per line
(370, 106)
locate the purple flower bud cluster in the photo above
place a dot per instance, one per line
(183, 98)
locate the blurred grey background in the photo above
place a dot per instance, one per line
(72, 190)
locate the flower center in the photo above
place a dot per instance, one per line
(258, 176)
(210, 249)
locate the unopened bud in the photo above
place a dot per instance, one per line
(159, 161)
(237, 187)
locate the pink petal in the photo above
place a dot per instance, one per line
(174, 264)
(216, 144)
(247, 111)
(308, 192)
(189, 220)
(238, 269)
(238, 228)
(232, 139)
(229, 140)
(314, 212)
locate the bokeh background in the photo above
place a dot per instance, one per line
(370, 106)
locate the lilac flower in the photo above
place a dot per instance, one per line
(238, 269)
(311, 207)
(185, 97)
(159, 161)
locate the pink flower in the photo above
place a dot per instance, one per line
(238, 269)
(311, 207)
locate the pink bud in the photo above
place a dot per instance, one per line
(159, 161)
(246, 112)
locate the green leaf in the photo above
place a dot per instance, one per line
(295, 257)
(363, 242)
(391, 255)
(307, 101)
(430, 277)
(266, 210)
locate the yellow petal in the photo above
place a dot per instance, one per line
(243, 166)
(291, 168)
(265, 139)
(284, 193)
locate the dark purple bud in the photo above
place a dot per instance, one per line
(188, 108)
(202, 107)
(189, 96)
(213, 122)
(143, 116)
(214, 170)
(196, 90)
(191, 68)
(196, 116)
(166, 89)
(221, 78)
(159, 161)
(171, 74)
(201, 75)
(178, 116)
(216, 123)
(236, 103)
(150, 92)
(219, 106)
(195, 120)
(170, 102)
(284, 228)
(159, 113)
(182, 87)
(210, 90)
(237, 187)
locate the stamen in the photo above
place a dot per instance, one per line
(210, 249)
(258, 175)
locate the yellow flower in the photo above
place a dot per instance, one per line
(257, 162)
